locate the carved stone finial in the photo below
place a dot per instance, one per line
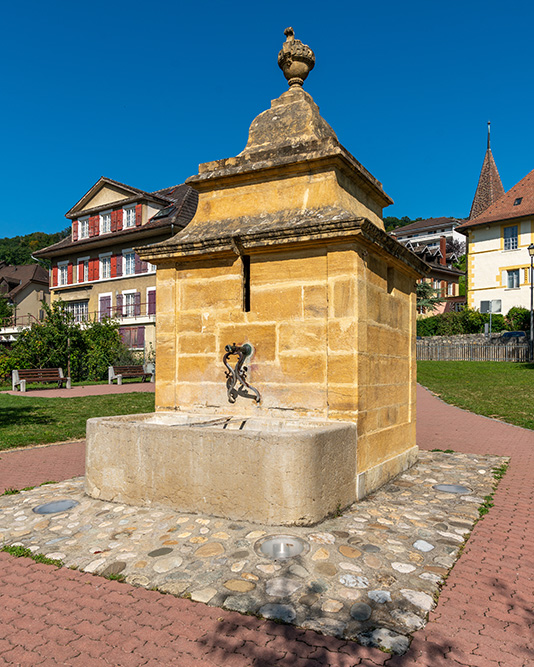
(296, 60)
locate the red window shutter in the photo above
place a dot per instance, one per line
(54, 276)
(151, 310)
(140, 336)
(74, 230)
(144, 267)
(119, 265)
(97, 225)
(113, 221)
(69, 274)
(96, 270)
(80, 272)
(91, 277)
(119, 305)
(113, 266)
(137, 264)
(119, 219)
(138, 215)
(137, 304)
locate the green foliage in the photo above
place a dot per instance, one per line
(19, 249)
(23, 552)
(58, 340)
(427, 297)
(6, 310)
(500, 471)
(392, 223)
(467, 321)
(518, 319)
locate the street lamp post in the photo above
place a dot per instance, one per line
(531, 253)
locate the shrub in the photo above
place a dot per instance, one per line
(518, 319)
(466, 321)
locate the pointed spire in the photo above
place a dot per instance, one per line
(489, 187)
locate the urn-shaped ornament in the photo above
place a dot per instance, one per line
(296, 60)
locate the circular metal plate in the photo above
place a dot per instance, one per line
(452, 488)
(280, 547)
(56, 506)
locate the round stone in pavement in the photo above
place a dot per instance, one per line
(163, 551)
(113, 568)
(386, 640)
(370, 548)
(280, 612)
(360, 611)
(240, 603)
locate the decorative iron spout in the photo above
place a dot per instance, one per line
(236, 378)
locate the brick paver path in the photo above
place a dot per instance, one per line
(484, 616)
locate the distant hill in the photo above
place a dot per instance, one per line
(19, 249)
(392, 223)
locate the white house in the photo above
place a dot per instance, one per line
(498, 261)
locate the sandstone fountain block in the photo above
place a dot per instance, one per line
(266, 470)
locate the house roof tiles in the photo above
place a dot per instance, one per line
(516, 203)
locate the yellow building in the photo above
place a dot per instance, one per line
(97, 271)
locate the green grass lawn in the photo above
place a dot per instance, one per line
(494, 389)
(26, 420)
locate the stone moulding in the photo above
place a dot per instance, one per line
(331, 230)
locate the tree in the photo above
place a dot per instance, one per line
(59, 341)
(6, 310)
(427, 297)
(455, 246)
(392, 223)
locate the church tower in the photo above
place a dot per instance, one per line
(489, 187)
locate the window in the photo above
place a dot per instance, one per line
(129, 263)
(129, 304)
(63, 273)
(105, 267)
(133, 337)
(518, 201)
(83, 228)
(79, 310)
(129, 216)
(150, 267)
(450, 289)
(513, 279)
(105, 222)
(510, 238)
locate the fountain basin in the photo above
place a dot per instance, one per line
(270, 471)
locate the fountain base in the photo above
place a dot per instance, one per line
(270, 471)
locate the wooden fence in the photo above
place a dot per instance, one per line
(472, 352)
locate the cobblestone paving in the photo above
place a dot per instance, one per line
(369, 575)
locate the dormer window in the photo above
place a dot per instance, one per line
(129, 216)
(105, 222)
(518, 201)
(83, 228)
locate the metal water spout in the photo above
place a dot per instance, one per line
(238, 375)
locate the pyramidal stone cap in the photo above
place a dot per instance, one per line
(296, 60)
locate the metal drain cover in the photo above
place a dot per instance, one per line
(56, 506)
(452, 488)
(281, 546)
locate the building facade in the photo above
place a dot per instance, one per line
(429, 232)
(25, 288)
(97, 271)
(497, 242)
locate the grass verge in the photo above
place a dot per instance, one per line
(34, 421)
(495, 389)
(22, 552)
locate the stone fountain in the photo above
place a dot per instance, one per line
(286, 274)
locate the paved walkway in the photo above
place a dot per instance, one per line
(483, 618)
(85, 390)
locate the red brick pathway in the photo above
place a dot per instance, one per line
(484, 616)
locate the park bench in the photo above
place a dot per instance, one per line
(21, 376)
(120, 372)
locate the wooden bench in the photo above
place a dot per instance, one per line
(120, 372)
(21, 376)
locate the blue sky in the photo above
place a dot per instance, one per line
(144, 92)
